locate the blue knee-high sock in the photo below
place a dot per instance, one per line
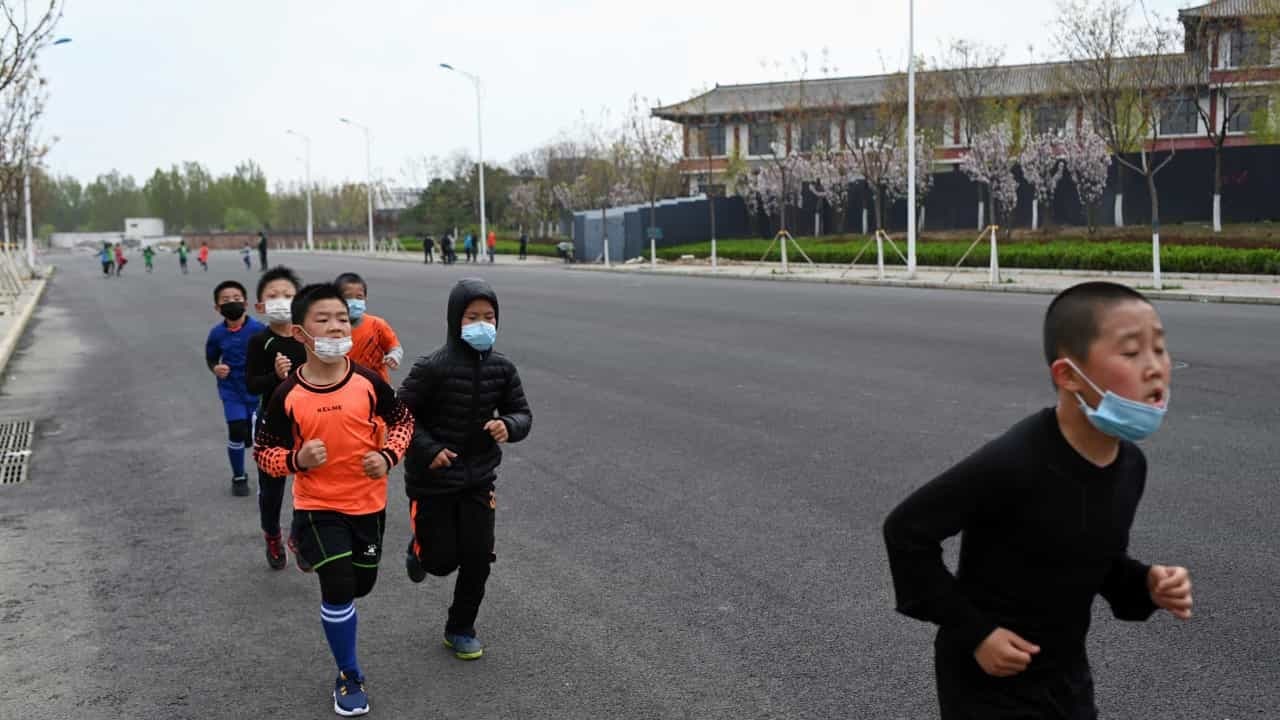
(340, 630)
(235, 453)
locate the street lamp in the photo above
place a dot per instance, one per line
(26, 186)
(479, 143)
(368, 162)
(307, 142)
(911, 139)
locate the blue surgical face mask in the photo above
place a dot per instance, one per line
(1121, 417)
(355, 309)
(480, 335)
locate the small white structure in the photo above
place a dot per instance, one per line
(140, 228)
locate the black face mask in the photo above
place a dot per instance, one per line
(232, 311)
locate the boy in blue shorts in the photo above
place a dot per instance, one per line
(225, 352)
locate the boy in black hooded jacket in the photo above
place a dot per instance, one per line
(466, 400)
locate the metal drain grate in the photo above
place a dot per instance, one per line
(15, 450)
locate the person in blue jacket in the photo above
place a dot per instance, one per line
(226, 352)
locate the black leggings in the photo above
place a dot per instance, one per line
(238, 432)
(341, 581)
(270, 499)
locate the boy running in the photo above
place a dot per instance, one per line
(225, 352)
(1044, 513)
(182, 256)
(467, 400)
(148, 256)
(107, 259)
(120, 259)
(273, 355)
(374, 343)
(322, 425)
(246, 254)
(203, 255)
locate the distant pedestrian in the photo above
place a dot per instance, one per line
(427, 247)
(493, 245)
(148, 257)
(203, 255)
(107, 259)
(262, 250)
(120, 259)
(524, 245)
(469, 246)
(182, 256)
(447, 251)
(246, 254)
(565, 248)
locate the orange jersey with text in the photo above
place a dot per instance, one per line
(371, 340)
(346, 417)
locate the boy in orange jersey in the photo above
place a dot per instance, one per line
(322, 425)
(373, 343)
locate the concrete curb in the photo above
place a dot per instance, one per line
(932, 285)
(533, 261)
(15, 332)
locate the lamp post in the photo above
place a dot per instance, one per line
(911, 139)
(368, 162)
(26, 184)
(475, 80)
(307, 143)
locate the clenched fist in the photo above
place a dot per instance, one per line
(497, 429)
(222, 370)
(312, 455)
(283, 366)
(1004, 653)
(375, 465)
(1170, 588)
(443, 459)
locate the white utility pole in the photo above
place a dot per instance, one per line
(475, 80)
(310, 232)
(368, 163)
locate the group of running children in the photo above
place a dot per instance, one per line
(1044, 510)
(113, 259)
(316, 376)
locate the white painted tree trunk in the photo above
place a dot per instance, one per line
(817, 223)
(1217, 212)
(982, 215)
(1035, 216)
(864, 221)
(1119, 211)
(1155, 261)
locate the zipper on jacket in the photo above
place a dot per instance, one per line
(475, 404)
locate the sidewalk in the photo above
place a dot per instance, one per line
(14, 319)
(1248, 289)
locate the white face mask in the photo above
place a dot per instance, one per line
(330, 350)
(279, 310)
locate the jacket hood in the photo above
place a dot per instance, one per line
(467, 290)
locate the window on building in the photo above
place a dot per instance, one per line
(1250, 48)
(815, 133)
(865, 123)
(934, 126)
(760, 138)
(713, 141)
(1049, 117)
(1243, 109)
(1179, 116)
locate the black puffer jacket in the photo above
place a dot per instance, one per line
(452, 393)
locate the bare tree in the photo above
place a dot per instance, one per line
(21, 107)
(968, 79)
(24, 33)
(1217, 120)
(655, 147)
(1122, 74)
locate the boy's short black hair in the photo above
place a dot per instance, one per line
(278, 272)
(229, 284)
(350, 278)
(1071, 322)
(310, 295)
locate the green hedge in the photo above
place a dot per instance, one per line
(1066, 255)
(506, 246)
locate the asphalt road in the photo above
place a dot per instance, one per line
(691, 531)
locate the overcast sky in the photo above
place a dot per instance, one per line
(147, 83)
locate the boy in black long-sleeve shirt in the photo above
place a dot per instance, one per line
(1044, 513)
(272, 355)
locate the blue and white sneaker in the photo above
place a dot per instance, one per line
(464, 647)
(349, 698)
